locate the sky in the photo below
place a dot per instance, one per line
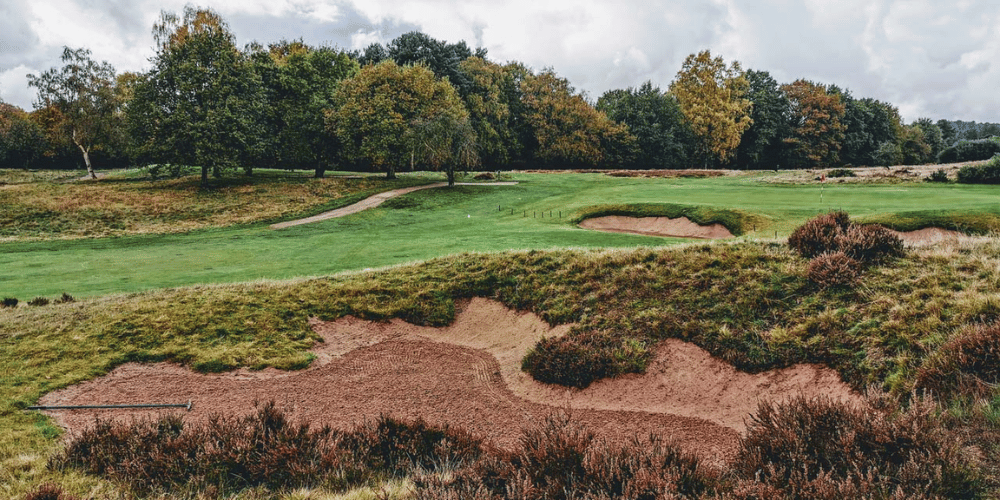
(930, 58)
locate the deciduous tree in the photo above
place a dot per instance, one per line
(82, 92)
(200, 104)
(491, 99)
(22, 140)
(712, 97)
(568, 130)
(762, 145)
(389, 116)
(663, 136)
(816, 120)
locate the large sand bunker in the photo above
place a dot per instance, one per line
(466, 374)
(681, 227)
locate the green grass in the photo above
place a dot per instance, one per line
(432, 223)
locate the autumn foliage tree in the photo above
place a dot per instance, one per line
(712, 97)
(817, 124)
(389, 116)
(22, 140)
(81, 94)
(568, 130)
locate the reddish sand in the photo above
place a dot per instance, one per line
(928, 235)
(681, 227)
(466, 374)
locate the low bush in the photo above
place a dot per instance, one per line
(9, 302)
(869, 243)
(834, 232)
(968, 364)
(821, 448)
(834, 270)
(986, 173)
(578, 360)
(818, 235)
(938, 175)
(39, 301)
(840, 172)
(65, 299)
(49, 491)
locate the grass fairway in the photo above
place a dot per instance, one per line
(438, 222)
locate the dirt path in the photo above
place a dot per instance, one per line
(466, 374)
(376, 200)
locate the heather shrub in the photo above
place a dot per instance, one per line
(579, 359)
(818, 235)
(869, 243)
(9, 302)
(821, 448)
(840, 172)
(65, 299)
(397, 446)
(49, 491)
(968, 364)
(834, 270)
(938, 175)
(38, 301)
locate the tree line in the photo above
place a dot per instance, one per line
(422, 103)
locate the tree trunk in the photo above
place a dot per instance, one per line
(204, 176)
(451, 176)
(320, 170)
(391, 172)
(86, 157)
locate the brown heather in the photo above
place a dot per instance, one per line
(833, 270)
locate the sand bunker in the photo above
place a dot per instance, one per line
(928, 235)
(466, 374)
(681, 227)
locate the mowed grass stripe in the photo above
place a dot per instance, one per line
(433, 223)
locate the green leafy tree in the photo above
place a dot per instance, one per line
(869, 125)
(817, 124)
(491, 100)
(201, 103)
(568, 130)
(22, 140)
(299, 82)
(762, 145)
(914, 146)
(663, 137)
(948, 132)
(388, 116)
(932, 135)
(82, 92)
(445, 140)
(712, 97)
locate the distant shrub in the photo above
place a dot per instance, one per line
(938, 175)
(65, 299)
(484, 176)
(39, 301)
(49, 491)
(869, 243)
(987, 173)
(840, 172)
(968, 364)
(834, 270)
(821, 448)
(818, 235)
(979, 149)
(9, 302)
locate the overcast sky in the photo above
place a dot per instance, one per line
(930, 58)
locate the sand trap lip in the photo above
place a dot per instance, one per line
(681, 227)
(374, 201)
(465, 374)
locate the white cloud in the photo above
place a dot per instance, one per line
(14, 86)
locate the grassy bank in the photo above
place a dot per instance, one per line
(748, 303)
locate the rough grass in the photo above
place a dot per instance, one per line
(748, 303)
(126, 205)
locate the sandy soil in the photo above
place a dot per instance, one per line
(374, 201)
(466, 374)
(681, 227)
(929, 236)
